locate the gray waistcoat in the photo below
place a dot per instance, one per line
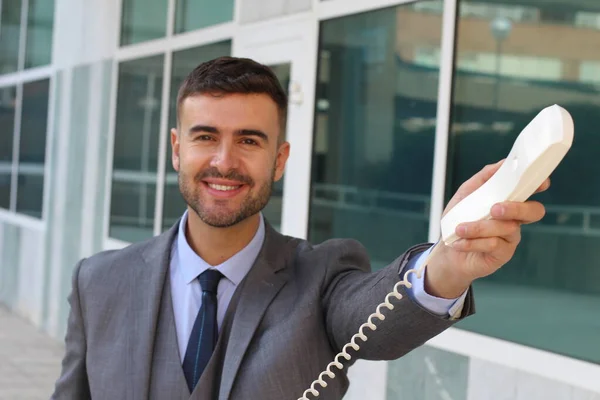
(168, 381)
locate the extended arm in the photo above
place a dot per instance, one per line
(352, 293)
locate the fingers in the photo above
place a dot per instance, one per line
(503, 229)
(472, 184)
(480, 178)
(507, 230)
(498, 236)
(534, 213)
(524, 212)
(491, 245)
(545, 186)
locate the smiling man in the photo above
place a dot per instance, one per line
(222, 306)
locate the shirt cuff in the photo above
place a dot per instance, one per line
(436, 305)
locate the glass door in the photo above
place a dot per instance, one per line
(272, 211)
(292, 56)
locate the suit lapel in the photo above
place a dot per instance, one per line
(146, 288)
(263, 282)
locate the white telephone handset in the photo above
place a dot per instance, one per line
(537, 151)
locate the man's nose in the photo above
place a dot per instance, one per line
(225, 158)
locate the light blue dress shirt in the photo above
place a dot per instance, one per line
(186, 293)
(436, 305)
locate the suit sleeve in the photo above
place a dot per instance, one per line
(73, 382)
(351, 293)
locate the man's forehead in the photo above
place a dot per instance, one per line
(230, 112)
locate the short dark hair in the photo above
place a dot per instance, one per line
(229, 75)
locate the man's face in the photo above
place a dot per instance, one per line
(227, 155)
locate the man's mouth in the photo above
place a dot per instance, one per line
(223, 188)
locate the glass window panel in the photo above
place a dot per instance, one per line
(375, 127)
(261, 10)
(7, 125)
(30, 191)
(589, 72)
(10, 27)
(429, 373)
(272, 211)
(136, 149)
(184, 61)
(196, 14)
(32, 147)
(508, 68)
(40, 24)
(143, 20)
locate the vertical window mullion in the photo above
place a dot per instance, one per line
(162, 144)
(164, 128)
(444, 106)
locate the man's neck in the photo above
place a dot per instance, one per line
(217, 245)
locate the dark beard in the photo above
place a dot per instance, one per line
(250, 206)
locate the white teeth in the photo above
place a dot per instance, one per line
(222, 187)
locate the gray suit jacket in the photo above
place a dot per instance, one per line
(297, 307)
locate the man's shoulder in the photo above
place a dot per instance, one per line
(332, 251)
(330, 246)
(104, 264)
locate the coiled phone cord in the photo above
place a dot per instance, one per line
(369, 324)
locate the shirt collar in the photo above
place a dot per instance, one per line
(234, 269)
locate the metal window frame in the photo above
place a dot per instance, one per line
(17, 79)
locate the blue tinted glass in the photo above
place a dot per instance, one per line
(375, 127)
(10, 29)
(32, 147)
(143, 20)
(40, 26)
(136, 149)
(196, 14)
(512, 61)
(7, 125)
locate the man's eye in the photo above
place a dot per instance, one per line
(249, 141)
(204, 137)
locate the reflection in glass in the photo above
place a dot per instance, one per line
(136, 149)
(512, 61)
(272, 211)
(432, 374)
(40, 24)
(184, 62)
(30, 192)
(10, 26)
(195, 14)
(143, 20)
(7, 125)
(375, 127)
(32, 147)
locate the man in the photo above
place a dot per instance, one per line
(222, 306)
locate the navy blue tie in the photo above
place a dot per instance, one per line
(204, 333)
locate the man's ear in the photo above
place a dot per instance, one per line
(282, 156)
(175, 149)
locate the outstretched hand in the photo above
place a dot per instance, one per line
(483, 246)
